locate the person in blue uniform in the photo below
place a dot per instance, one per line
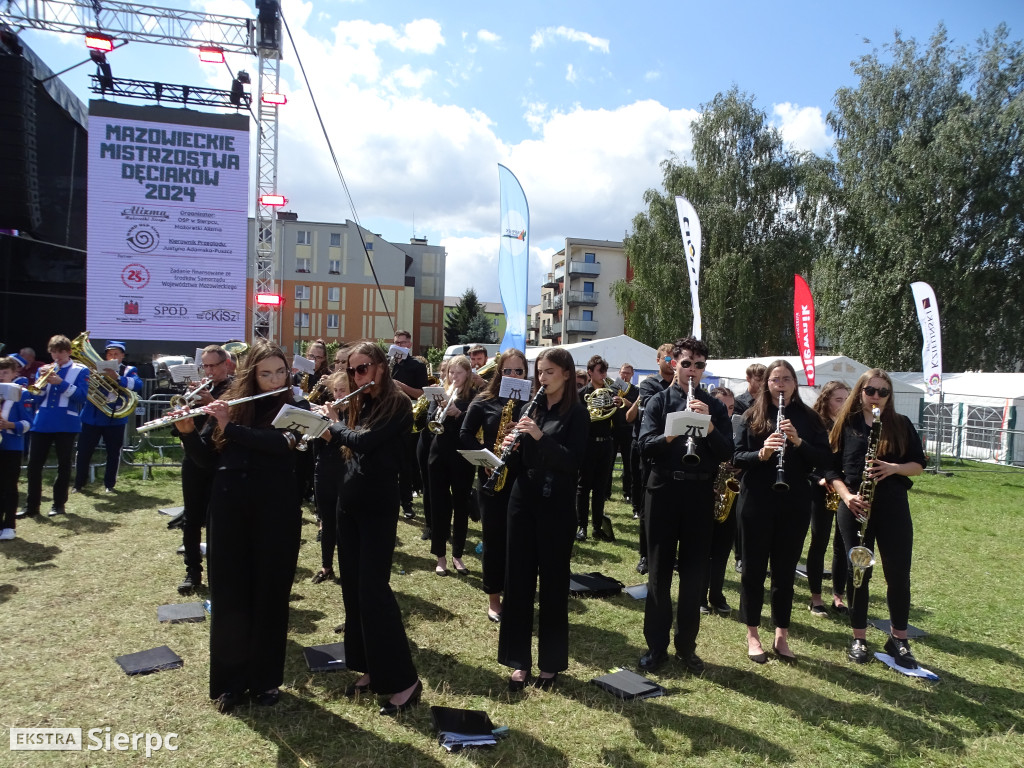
(15, 421)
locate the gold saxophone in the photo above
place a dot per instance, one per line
(726, 489)
(503, 426)
(862, 558)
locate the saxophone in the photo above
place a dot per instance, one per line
(726, 488)
(503, 425)
(862, 558)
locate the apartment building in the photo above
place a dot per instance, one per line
(327, 280)
(576, 301)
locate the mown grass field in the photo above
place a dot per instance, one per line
(76, 591)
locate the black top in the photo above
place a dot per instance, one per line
(848, 461)
(648, 388)
(554, 459)
(449, 439)
(410, 372)
(486, 414)
(742, 403)
(376, 453)
(619, 423)
(798, 463)
(601, 428)
(216, 391)
(667, 457)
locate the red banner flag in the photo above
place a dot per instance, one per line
(803, 322)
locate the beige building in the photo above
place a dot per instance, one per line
(576, 302)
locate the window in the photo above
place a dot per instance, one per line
(588, 286)
(302, 293)
(588, 314)
(334, 294)
(303, 237)
(589, 258)
(495, 322)
(369, 245)
(332, 321)
(335, 239)
(335, 266)
(302, 265)
(302, 319)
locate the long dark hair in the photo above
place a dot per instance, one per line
(895, 437)
(390, 399)
(821, 406)
(758, 416)
(246, 384)
(494, 385)
(563, 359)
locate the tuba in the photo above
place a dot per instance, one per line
(600, 405)
(726, 489)
(106, 394)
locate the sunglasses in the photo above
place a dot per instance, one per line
(700, 365)
(511, 371)
(880, 391)
(360, 369)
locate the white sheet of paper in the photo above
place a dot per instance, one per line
(199, 355)
(481, 458)
(687, 424)
(180, 373)
(396, 351)
(515, 389)
(300, 420)
(303, 365)
(10, 392)
(889, 661)
(108, 365)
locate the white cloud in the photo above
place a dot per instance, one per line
(473, 263)
(543, 36)
(652, 75)
(803, 128)
(570, 74)
(486, 36)
(420, 36)
(406, 77)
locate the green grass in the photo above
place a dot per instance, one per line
(77, 591)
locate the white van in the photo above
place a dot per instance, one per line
(463, 349)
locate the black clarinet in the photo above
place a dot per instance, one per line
(781, 486)
(506, 454)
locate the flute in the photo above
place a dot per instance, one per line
(191, 413)
(308, 437)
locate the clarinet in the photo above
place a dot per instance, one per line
(691, 456)
(499, 470)
(781, 486)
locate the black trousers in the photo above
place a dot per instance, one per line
(375, 639)
(10, 468)
(494, 521)
(253, 548)
(821, 532)
(540, 539)
(640, 495)
(636, 478)
(593, 482)
(622, 445)
(196, 487)
(113, 441)
(774, 526)
(326, 477)
(451, 479)
(723, 535)
(893, 530)
(423, 442)
(409, 478)
(678, 519)
(39, 450)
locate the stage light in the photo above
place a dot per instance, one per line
(276, 99)
(272, 200)
(269, 299)
(97, 41)
(103, 73)
(211, 54)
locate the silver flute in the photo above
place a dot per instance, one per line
(191, 413)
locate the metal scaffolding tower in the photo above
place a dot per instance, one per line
(191, 29)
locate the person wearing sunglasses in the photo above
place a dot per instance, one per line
(680, 507)
(378, 418)
(451, 476)
(775, 517)
(647, 389)
(485, 414)
(898, 458)
(255, 526)
(595, 472)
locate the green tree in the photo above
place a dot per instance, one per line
(758, 204)
(929, 167)
(479, 331)
(459, 317)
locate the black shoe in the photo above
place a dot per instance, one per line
(190, 583)
(21, 514)
(693, 663)
(758, 658)
(426, 536)
(722, 608)
(738, 567)
(641, 567)
(651, 660)
(268, 698)
(355, 689)
(412, 701)
(784, 658)
(819, 610)
(226, 702)
(705, 610)
(858, 651)
(55, 510)
(340, 629)
(408, 512)
(899, 649)
(516, 686)
(636, 515)
(607, 531)
(545, 683)
(322, 576)
(841, 609)
(581, 534)
(178, 521)
(600, 535)
(319, 534)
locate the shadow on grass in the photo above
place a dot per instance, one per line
(937, 494)
(415, 605)
(31, 553)
(7, 591)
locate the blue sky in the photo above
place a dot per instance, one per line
(581, 100)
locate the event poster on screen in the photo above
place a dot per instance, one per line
(168, 223)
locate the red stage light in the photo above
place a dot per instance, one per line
(269, 299)
(211, 54)
(270, 200)
(97, 41)
(274, 98)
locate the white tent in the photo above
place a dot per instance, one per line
(615, 349)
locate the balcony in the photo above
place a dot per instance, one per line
(584, 268)
(533, 323)
(551, 303)
(581, 326)
(560, 273)
(549, 281)
(581, 298)
(551, 330)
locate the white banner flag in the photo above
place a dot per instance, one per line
(689, 225)
(931, 352)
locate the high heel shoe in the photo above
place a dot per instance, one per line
(356, 688)
(545, 683)
(268, 698)
(516, 686)
(463, 571)
(226, 702)
(393, 709)
(785, 658)
(440, 570)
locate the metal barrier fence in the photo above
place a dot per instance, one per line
(966, 431)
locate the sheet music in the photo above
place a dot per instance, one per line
(687, 424)
(481, 458)
(303, 365)
(10, 392)
(515, 389)
(184, 372)
(395, 351)
(300, 420)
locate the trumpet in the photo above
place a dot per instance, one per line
(691, 457)
(436, 425)
(191, 413)
(781, 486)
(190, 398)
(39, 385)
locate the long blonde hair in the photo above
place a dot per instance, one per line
(894, 439)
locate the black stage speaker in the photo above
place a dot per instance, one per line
(19, 175)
